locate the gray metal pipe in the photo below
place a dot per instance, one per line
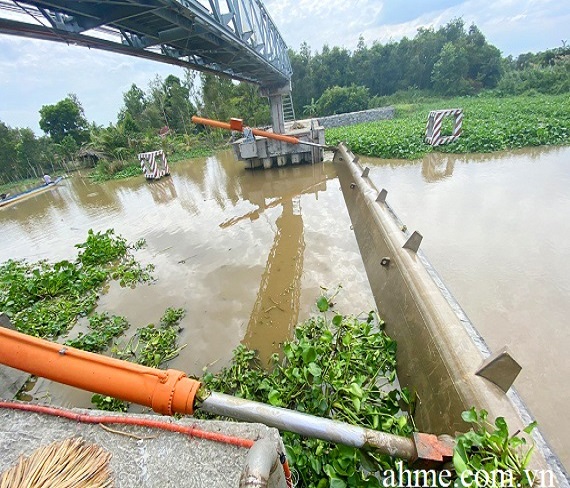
(261, 461)
(310, 426)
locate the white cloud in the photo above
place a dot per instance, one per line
(35, 73)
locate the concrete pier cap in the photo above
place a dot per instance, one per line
(439, 349)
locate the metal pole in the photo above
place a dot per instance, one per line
(310, 426)
(261, 462)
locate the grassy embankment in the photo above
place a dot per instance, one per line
(489, 124)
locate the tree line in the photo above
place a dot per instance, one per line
(448, 61)
(452, 60)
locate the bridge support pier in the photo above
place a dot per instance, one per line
(256, 150)
(275, 96)
(277, 118)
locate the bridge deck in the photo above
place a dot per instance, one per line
(236, 39)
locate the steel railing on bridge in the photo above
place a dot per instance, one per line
(235, 38)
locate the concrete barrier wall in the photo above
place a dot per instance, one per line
(372, 115)
(439, 350)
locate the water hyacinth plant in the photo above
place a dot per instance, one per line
(489, 124)
(45, 299)
(339, 367)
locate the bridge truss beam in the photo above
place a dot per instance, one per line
(233, 38)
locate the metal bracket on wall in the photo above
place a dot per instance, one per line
(365, 172)
(413, 243)
(382, 196)
(500, 368)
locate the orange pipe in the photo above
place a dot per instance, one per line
(189, 430)
(237, 124)
(165, 391)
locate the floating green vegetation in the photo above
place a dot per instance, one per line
(489, 453)
(342, 368)
(45, 299)
(150, 346)
(154, 345)
(104, 328)
(108, 403)
(489, 124)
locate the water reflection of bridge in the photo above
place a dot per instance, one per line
(276, 309)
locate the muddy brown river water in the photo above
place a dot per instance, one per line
(497, 229)
(245, 253)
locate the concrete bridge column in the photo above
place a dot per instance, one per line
(277, 118)
(275, 95)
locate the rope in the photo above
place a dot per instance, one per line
(190, 431)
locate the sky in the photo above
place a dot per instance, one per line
(36, 73)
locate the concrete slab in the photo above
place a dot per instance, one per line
(11, 381)
(158, 458)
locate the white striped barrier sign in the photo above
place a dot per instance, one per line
(435, 121)
(154, 165)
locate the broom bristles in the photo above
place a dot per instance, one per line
(64, 464)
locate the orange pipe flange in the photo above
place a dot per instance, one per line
(165, 391)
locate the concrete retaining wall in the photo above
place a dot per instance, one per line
(372, 115)
(439, 350)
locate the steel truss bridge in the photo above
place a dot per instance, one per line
(233, 38)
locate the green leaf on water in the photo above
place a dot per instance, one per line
(460, 460)
(355, 390)
(323, 304)
(274, 398)
(314, 369)
(530, 427)
(309, 354)
(469, 415)
(356, 403)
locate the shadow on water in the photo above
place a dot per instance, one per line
(276, 309)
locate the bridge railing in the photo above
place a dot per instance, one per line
(250, 22)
